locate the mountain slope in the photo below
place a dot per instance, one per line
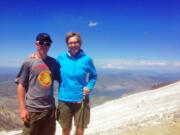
(153, 112)
(8, 119)
(139, 110)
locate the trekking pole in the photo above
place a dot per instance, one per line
(82, 104)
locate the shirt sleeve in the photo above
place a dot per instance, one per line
(92, 75)
(57, 72)
(23, 75)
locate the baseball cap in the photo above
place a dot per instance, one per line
(43, 37)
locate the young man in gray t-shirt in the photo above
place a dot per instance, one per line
(35, 89)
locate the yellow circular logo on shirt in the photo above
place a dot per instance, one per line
(45, 78)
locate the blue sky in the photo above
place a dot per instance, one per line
(117, 34)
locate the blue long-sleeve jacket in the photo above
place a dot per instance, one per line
(76, 73)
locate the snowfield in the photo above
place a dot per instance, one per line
(141, 109)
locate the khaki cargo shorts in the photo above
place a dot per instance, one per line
(66, 111)
(41, 123)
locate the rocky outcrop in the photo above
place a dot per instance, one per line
(8, 119)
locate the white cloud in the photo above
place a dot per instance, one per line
(177, 64)
(152, 63)
(114, 66)
(114, 87)
(135, 64)
(92, 24)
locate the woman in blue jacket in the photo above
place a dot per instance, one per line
(78, 76)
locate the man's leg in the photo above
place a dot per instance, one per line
(48, 123)
(41, 123)
(32, 127)
(26, 129)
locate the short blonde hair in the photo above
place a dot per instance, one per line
(73, 34)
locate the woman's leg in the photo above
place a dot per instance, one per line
(79, 131)
(82, 117)
(64, 116)
(66, 131)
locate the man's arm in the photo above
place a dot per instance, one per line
(23, 111)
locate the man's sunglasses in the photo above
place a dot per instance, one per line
(45, 43)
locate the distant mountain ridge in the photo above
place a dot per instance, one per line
(159, 85)
(116, 85)
(9, 70)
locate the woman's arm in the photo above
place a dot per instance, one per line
(92, 75)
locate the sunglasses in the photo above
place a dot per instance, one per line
(44, 43)
(76, 42)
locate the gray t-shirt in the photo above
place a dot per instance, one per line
(37, 77)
